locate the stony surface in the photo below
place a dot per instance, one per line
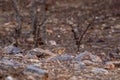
(98, 57)
(12, 50)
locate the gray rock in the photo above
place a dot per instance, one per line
(34, 69)
(112, 64)
(79, 65)
(80, 56)
(12, 50)
(87, 56)
(31, 77)
(39, 51)
(62, 58)
(88, 62)
(9, 63)
(9, 78)
(95, 58)
(99, 71)
(52, 42)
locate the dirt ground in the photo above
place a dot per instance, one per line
(101, 39)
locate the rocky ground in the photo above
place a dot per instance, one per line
(98, 57)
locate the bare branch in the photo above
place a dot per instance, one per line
(44, 35)
(84, 32)
(18, 18)
(35, 24)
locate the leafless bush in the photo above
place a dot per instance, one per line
(18, 19)
(36, 25)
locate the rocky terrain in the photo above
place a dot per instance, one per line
(95, 23)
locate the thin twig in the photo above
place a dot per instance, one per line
(84, 32)
(36, 26)
(75, 35)
(44, 35)
(33, 17)
(34, 22)
(18, 18)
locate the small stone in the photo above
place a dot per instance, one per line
(114, 55)
(109, 65)
(115, 31)
(53, 43)
(62, 58)
(112, 64)
(11, 50)
(34, 69)
(82, 56)
(30, 40)
(31, 56)
(58, 36)
(41, 52)
(75, 25)
(9, 78)
(99, 71)
(79, 65)
(116, 27)
(82, 46)
(88, 63)
(70, 22)
(7, 62)
(88, 56)
(95, 58)
(30, 78)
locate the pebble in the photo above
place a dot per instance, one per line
(34, 69)
(52, 42)
(114, 55)
(79, 65)
(112, 64)
(95, 58)
(109, 66)
(87, 56)
(40, 51)
(30, 78)
(99, 71)
(80, 56)
(62, 58)
(116, 27)
(12, 50)
(9, 78)
(88, 62)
